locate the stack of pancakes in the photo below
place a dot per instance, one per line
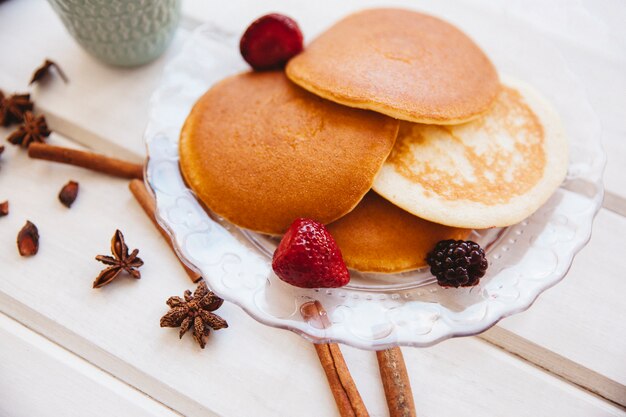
(392, 127)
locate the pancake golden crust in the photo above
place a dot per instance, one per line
(379, 237)
(494, 171)
(401, 63)
(260, 152)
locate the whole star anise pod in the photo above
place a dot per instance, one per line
(12, 108)
(195, 310)
(34, 129)
(120, 261)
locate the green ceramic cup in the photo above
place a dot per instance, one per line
(121, 32)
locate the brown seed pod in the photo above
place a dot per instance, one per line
(4, 208)
(28, 240)
(68, 193)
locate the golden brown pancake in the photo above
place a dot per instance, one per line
(493, 171)
(401, 63)
(379, 237)
(261, 152)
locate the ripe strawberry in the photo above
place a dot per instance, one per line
(308, 257)
(270, 41)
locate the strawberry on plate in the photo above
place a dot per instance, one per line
(308, 257)
(270, 41)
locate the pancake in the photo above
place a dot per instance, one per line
(378, 236)
(401, 63)
(260, 152)
(494, 171)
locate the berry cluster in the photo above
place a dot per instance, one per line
(457, 263)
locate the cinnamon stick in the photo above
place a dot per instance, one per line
(85, 159)
(342, 386)
(396, 383)
(145, 200)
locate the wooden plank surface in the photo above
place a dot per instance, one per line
(557, 365)
(59, 383)
(584, 315)
(116, 115)
(106, 108)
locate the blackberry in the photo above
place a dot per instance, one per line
(457, 263)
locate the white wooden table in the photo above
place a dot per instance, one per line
(68, 350)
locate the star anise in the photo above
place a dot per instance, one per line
(34, 129)
(12, 108)
(120, 261)
(44, 70)
(195, 310)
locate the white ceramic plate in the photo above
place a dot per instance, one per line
(377, 311)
